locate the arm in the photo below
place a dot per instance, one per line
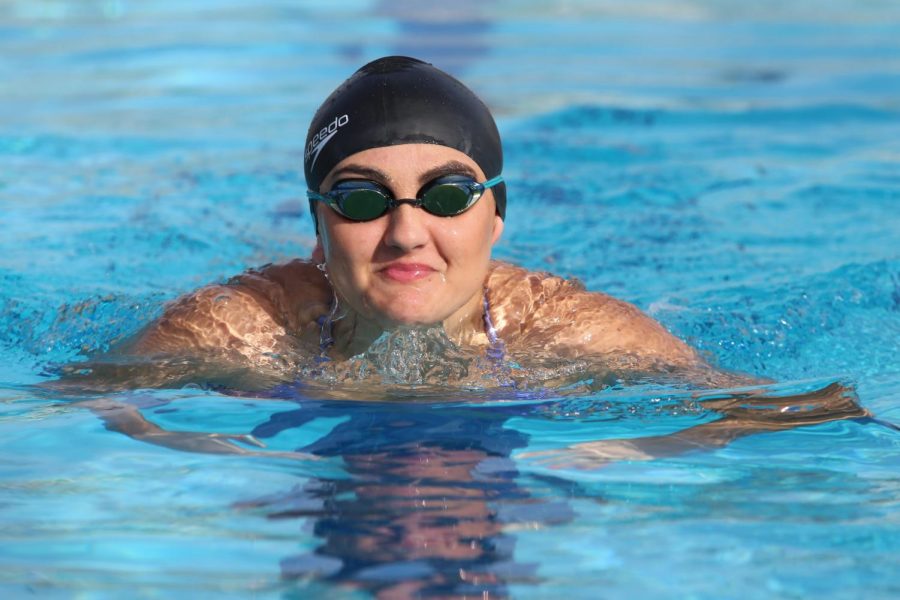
(127, 418)
(743, 414)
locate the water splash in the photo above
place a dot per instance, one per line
(409, 356)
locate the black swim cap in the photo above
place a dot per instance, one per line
(399, 100)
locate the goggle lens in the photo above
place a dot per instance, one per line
(447, 199)
(362, 204)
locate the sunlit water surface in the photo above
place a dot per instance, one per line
(731, 170)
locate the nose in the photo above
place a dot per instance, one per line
(406, 228)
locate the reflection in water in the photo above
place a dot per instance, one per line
(428, 491)
(422, 508)
(429, 488)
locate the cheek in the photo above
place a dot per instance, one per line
(468, 239)
(349, 248)
(344, 242)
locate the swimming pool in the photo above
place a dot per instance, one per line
(734, 172)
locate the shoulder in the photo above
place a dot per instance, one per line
(295, 293)
(514, 294)
(251, 314)
(538, 310)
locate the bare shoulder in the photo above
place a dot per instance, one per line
(534, 309)
(296, 291)
(252, 314)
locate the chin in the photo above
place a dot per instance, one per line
(407, 310)
(394, 319)
(408, 314)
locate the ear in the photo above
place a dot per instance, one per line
(498, 229)
(318, 253)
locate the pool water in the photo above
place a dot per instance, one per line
(732, 170)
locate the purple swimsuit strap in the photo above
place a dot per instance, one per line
(497, 350)
(489, 324)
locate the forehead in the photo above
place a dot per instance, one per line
(406, 162)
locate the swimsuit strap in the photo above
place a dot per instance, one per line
(497, 349)
(488, 323)
(326, 330)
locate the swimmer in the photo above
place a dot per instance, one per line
(404, 169)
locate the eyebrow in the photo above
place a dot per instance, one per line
(367, 172)
(452, 167)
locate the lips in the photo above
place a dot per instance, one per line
(406, 272)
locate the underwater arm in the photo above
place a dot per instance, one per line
(127, 419)
(758, 413)
(743, 414)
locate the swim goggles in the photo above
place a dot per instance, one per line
(364, 200)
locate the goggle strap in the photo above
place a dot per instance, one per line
(492, 182)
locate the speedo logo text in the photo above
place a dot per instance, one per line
(318, 141)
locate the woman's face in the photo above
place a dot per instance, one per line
(408, 266)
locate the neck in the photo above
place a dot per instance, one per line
(354, 334)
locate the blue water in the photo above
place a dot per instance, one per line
(732, 170)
